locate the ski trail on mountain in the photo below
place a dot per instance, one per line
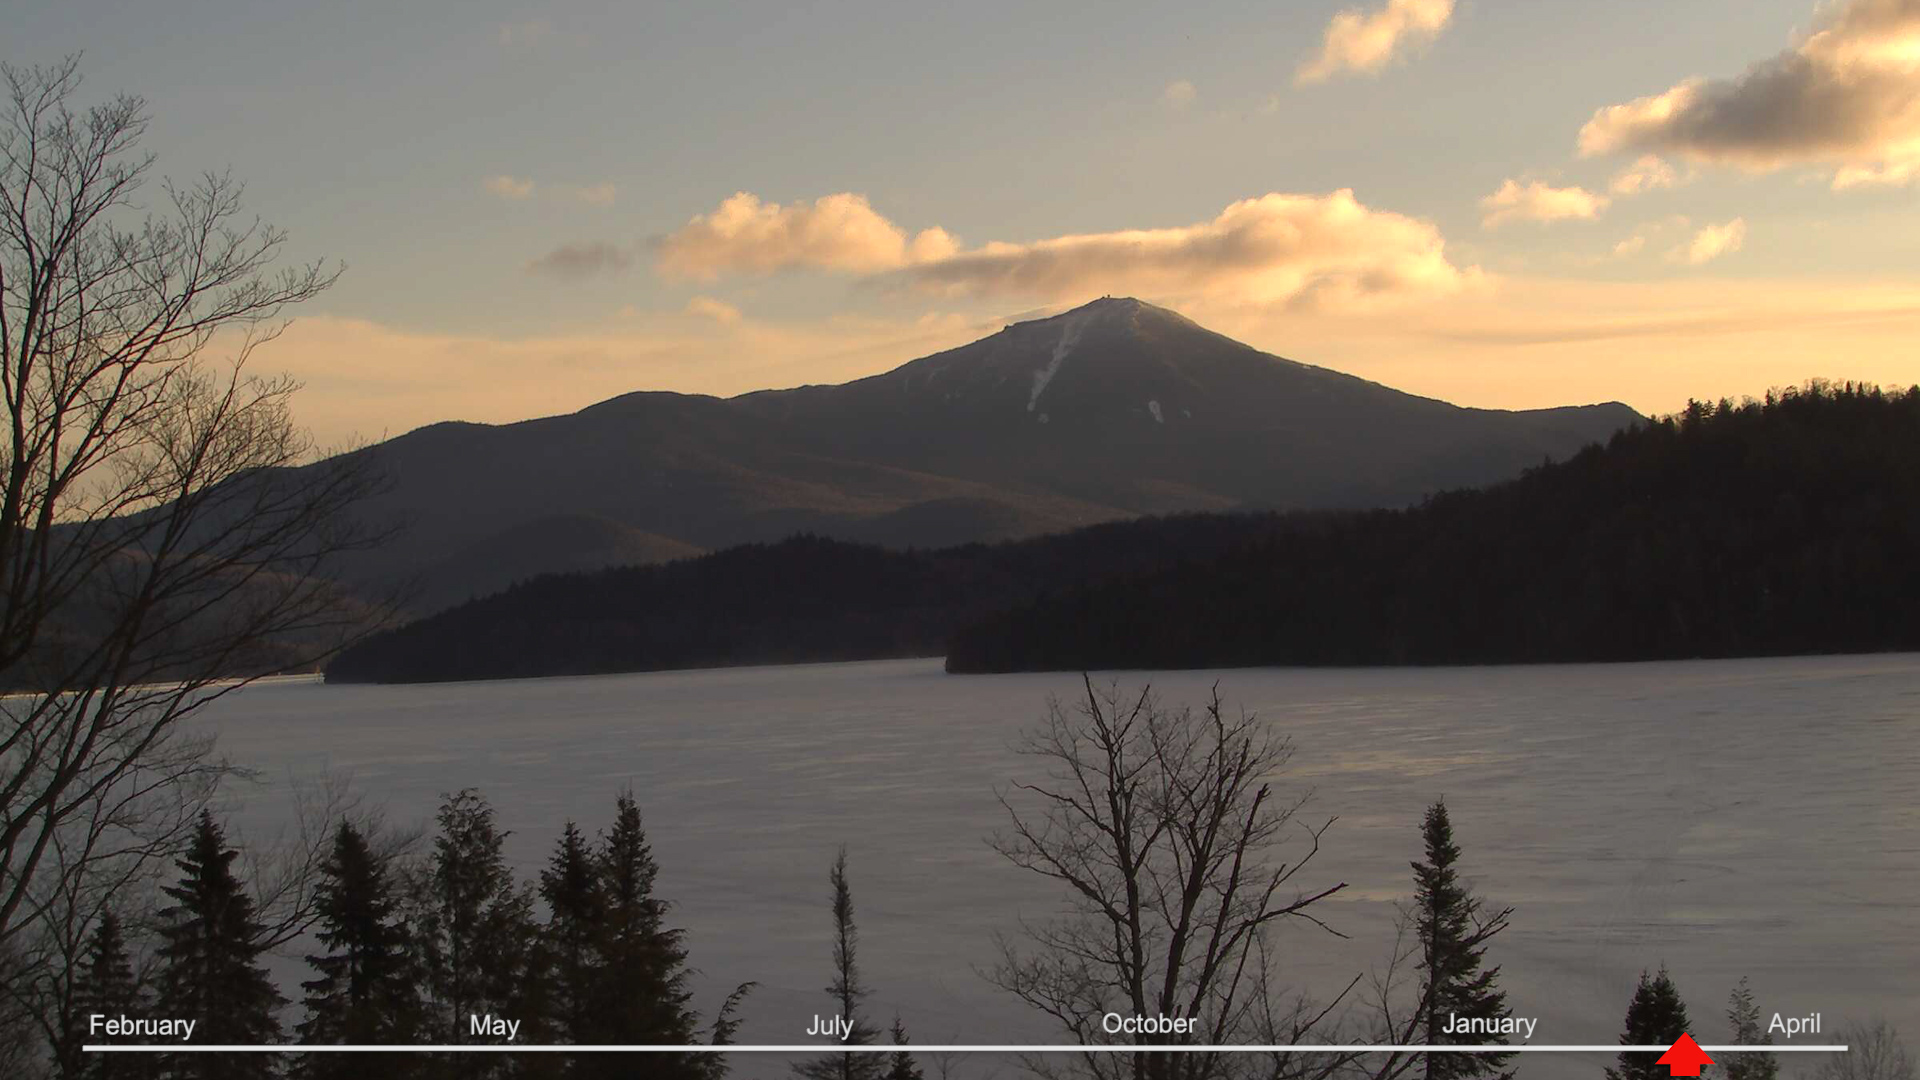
(1069, 337)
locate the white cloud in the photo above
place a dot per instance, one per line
(1277, 249)
(1711, 242)
(1362, 41)
(1645, 174)
(706, 307)
(1630, 246)
(508, 187)
(1179, 94)
(1846, 97)
(836, 232)
(1538, 202)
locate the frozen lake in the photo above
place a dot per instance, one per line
(1726, 818)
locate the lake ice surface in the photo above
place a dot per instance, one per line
(1724, 818)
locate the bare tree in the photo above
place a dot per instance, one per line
(166, 534)
(1874, 1052)
(1164, 827)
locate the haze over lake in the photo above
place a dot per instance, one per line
(1725, 818)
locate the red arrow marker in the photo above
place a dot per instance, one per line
(1684, 1057)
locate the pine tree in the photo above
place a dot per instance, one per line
(365, 992)
(726, 1022)
(642, 997)
(1656, 1017)
(107, 985)
(576, 922)
(1454, 928)
(1744, 1017)
(901, 1065)
(476, 929)
(847, 992)
(210, 967)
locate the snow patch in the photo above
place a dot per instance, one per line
(1069, 337)
(1154, 408)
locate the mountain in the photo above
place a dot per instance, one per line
(1774, 527)
(1778, 527)
(1110, 411)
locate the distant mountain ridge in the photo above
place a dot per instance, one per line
(1113, 410)
(1779, 527)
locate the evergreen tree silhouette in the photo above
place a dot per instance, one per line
(901, 1066)
(365, 992)
(1655, 1017)
(210, 970)
(1454, 928)
(1743, 1016)
(642, 991)
(575, 923)
(725, 1023)
(107, 985)
(847, 992)
(477, 930)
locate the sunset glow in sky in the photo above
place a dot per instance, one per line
(1495, 202)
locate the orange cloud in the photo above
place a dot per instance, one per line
(1711, 242)
(1277, 249)
(836, 232)
(1539, 202)
(1848, 96)
(1365, 42)
(1644, 175)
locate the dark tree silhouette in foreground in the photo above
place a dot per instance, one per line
(366, 989)
(1743, 1016)
(900, 1064)
(641, 991)
(1874, 1052)
(1165, 831)
(1655, 1017)
(847, 990)
(164, 525)
(476, 929)
(107, 985)
(1454, 928)
(576, 918)
(210, 963)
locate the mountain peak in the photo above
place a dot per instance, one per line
(1114, 307)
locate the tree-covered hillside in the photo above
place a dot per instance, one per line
(804, 599)
(1789, 525)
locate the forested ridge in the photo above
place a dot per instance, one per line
(1784, 525)
(804, 599)
(1780, 526)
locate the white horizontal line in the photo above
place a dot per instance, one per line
(920, 1048)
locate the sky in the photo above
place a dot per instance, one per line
(1501, 203)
